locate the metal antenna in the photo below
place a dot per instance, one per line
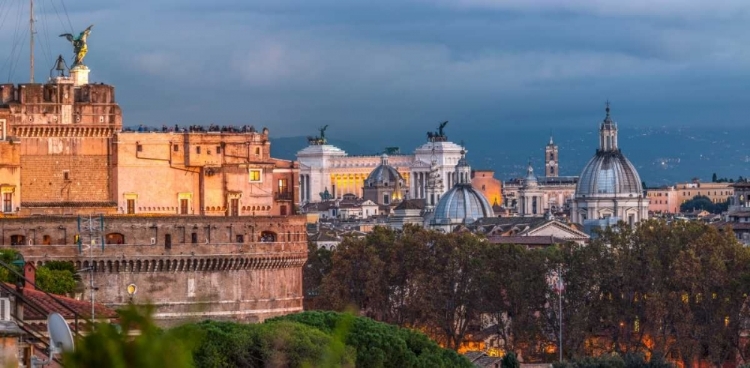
(31, 39)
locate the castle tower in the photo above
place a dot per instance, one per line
(551, 159)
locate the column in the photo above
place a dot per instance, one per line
(302, 188)
(307, 187)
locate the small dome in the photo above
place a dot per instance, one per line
(530, 179)
(384, 173)
(609, 173)
(462, 204)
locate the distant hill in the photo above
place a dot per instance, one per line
(662, 155)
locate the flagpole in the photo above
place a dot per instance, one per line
(560, 292)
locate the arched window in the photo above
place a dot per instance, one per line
(115, 238)
(267, 236)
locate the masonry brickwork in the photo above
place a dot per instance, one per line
(200, 221)
(189, 267)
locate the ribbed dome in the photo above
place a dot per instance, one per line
(384, 173)
(609, 173)
(462, 204)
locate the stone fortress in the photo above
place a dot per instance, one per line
(200, 223)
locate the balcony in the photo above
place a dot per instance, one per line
(283, 196)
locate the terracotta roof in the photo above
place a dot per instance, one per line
(733, 225)
(526, 240)
(44, 301)
(411, 204)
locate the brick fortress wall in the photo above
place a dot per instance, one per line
(190, 267)
(65, 136)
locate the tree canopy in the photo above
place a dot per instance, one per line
(672, 291)
(704, 203)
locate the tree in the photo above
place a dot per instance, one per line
(120, 347)
(713, 178)
(704, 203)
(510, 361)
(8, 255)
(53, 281)
(379, 344)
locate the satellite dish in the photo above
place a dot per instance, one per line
(60, 337)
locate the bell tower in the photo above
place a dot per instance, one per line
(551, 159)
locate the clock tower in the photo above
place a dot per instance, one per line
(551, 159)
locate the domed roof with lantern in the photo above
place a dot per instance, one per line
(462, 204)
(384, 174)
(609, 173)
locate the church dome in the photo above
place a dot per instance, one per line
(384, 174)
(609, 173)
(462, 204)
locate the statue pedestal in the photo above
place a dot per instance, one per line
(80, 75)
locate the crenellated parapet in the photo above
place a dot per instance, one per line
(189, 267)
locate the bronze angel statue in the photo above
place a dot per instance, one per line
(79, 45)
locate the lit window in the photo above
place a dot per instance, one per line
(255, 175)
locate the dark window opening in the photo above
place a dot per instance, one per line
(218, 150)
(167, 241)
(240, 238)
(17, 240)
(176, 148)
(66, 175)
(235, 207)
(282, 210)
(46, 240)
(198, 150)
(131, 206)
(139, 147)
(115, 238)
(7, 202)
(267, 236)
(194, 238)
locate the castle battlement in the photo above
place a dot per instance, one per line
(240, 268)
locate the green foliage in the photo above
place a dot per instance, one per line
(704, 203)
(378, 344)
(60, 266)
(677, 287)
(8, 255)
(279, 344)
(54, 281)
(315, 339)
(121, 347)
(510, 361)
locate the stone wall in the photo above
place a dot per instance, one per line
(239, 268)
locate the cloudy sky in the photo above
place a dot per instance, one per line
(399, 67)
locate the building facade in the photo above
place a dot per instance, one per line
(555, 192)
(485, 182)
(188, 267)
(328, 169)
(202, 173)
(663, 200)
(198, 219)
(668, 199)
